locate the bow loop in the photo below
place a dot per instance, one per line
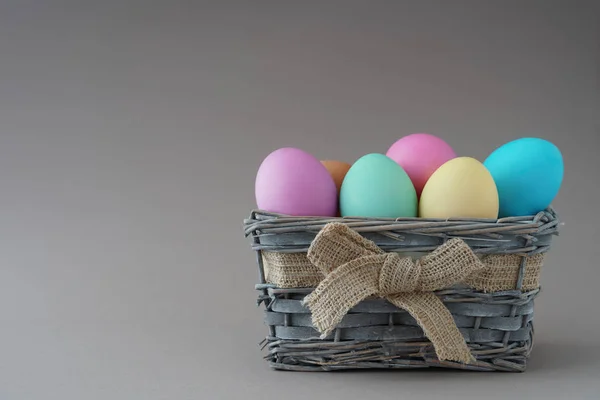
(336, 245)
(447, 265)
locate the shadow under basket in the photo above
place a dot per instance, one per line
(408, 274)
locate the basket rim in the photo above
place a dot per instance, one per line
(545, 221)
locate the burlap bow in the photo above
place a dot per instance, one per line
(355, 269)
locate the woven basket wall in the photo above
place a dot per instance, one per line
(497, 326)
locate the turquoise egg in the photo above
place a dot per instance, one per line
(528, 173)
(376, 186)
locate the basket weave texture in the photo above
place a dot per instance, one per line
(491, 308)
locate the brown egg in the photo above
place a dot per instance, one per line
(337, 170)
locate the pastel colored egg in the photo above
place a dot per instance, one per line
(293, 182)
(420, 155)
(376, 186)
(528, 173)
(460, 188)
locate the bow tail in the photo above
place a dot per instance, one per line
(342, 289)
(437, 324)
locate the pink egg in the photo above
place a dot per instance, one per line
(291, 181)
(420, 155)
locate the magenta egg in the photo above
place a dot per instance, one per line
(293, 182)
(420, 155)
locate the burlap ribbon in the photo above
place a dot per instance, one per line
(355, 269)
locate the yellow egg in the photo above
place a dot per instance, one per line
(460, 188)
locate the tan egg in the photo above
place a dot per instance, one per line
(337, 170)
(460, 188)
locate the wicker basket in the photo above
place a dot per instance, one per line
(497, 326)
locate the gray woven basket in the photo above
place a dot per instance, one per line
(497, 327)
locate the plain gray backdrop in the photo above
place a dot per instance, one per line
(130, 135)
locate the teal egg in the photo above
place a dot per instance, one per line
(528, 173)
(376, 186)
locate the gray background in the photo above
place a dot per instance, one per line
(130, 134)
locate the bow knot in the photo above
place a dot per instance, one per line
(399, 275)
(355, 269)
